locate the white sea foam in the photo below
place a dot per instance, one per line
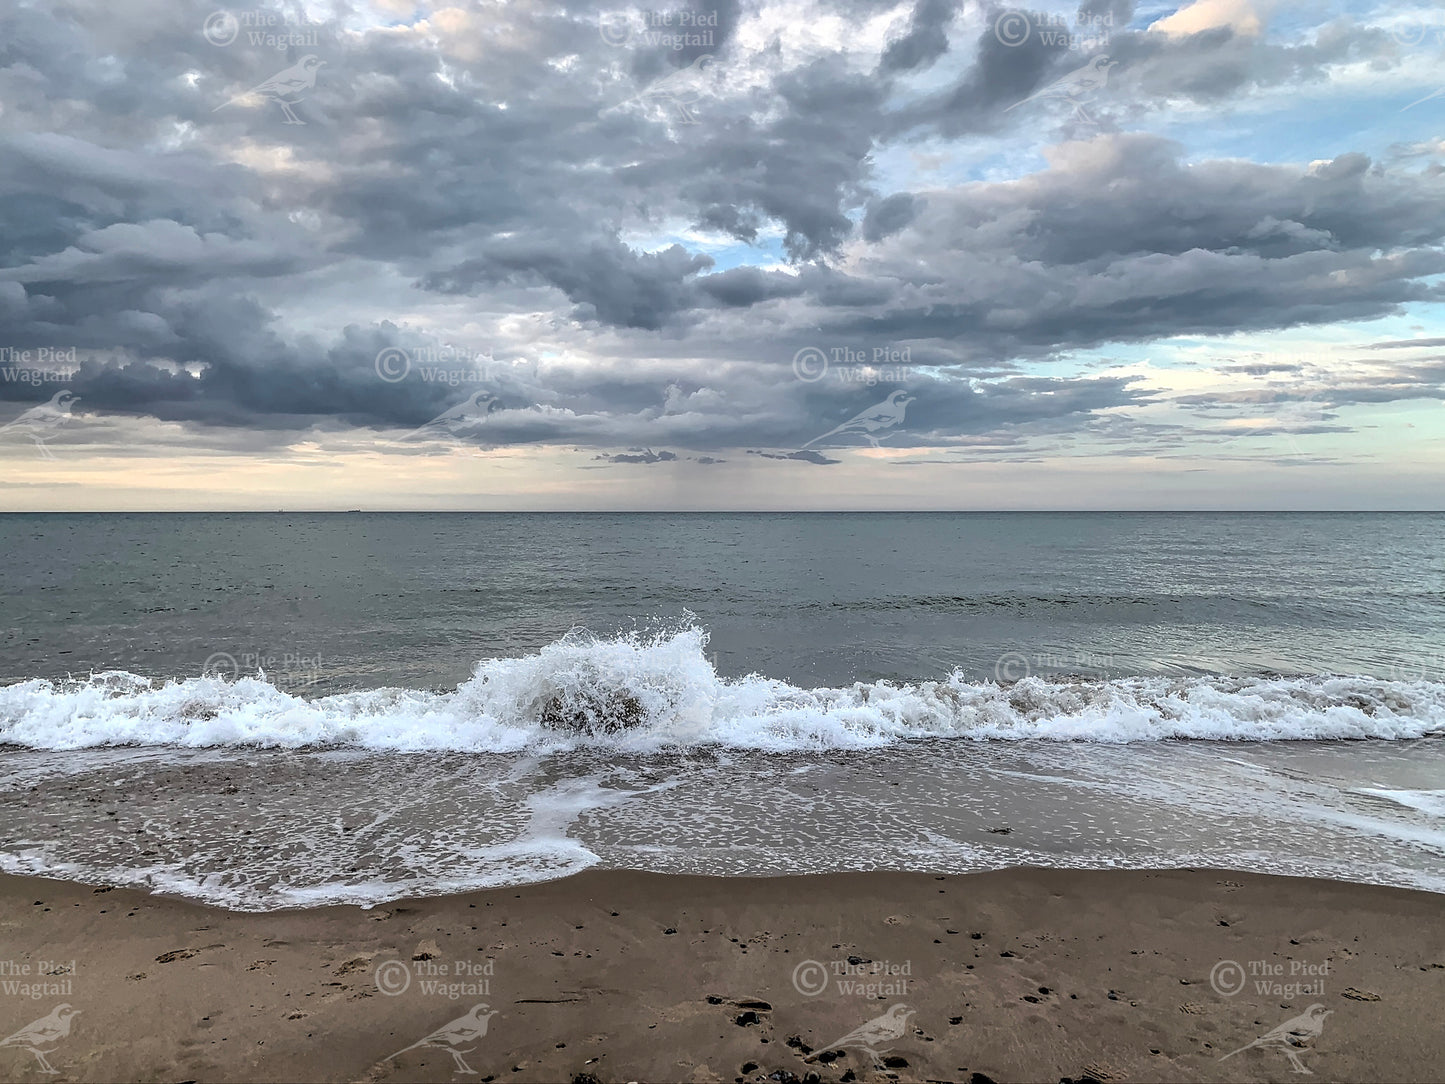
(648, 692)
(1429, 802)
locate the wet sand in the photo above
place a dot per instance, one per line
(1023, 974)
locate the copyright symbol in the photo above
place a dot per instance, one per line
(1409, 35)
(221, 665)
(221, 28)
(1008, 666)
(1012, 28)
(810, 978)
(392, 364)
(808, 359)
(392, 977)
(615, 27)
(1227, 978)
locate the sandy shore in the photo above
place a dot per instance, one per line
(1018, 975)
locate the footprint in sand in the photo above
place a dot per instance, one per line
(1359, 995)
(356, 963)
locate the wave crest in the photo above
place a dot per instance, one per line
(645, 692)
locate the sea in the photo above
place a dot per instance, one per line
(282, 710)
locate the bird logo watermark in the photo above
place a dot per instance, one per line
(221, 28)
(1294, 1035)
(1268, 979)
(286, 88)
(875, 1038)
(854, 977)
(1298, 400)
(393, 364)
(41, 365)
(41, 423)
(678, 93)
(221, 664)
(1013, 28)
(456, 1038)
(1011, 666)
(1227, 978)
(431, 977)
(270, 29)
(869, 424)
(1014, 666)
(1088, 31)
(41, 979)
(1413, 34)
(1078, 88)
(616, 27)
(444, 364)
(290, 670)
(40, 1037)
(884, 365)
(675, 30)
(460, 425)
(1421, 101)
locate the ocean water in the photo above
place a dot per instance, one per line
(279, 710)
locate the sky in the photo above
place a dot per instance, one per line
(728, 254)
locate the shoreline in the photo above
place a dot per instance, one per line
(1019, 974)
(472, 893)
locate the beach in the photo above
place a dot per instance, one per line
(1022, 974)
(915, 798)
(736, 543)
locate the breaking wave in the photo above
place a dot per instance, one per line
(651, 692)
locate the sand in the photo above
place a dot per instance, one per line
(1018, 975)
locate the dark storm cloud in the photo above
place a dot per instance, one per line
(1122, 240)
(219, 268)
(641, 455)
(817, 458)
(609, 281)
(888, 216)
(926, 40)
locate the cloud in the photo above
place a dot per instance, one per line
(647, 456)
(1240, 16)
(642, 282)
(926, 40)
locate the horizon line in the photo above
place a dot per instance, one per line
(712, 511)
